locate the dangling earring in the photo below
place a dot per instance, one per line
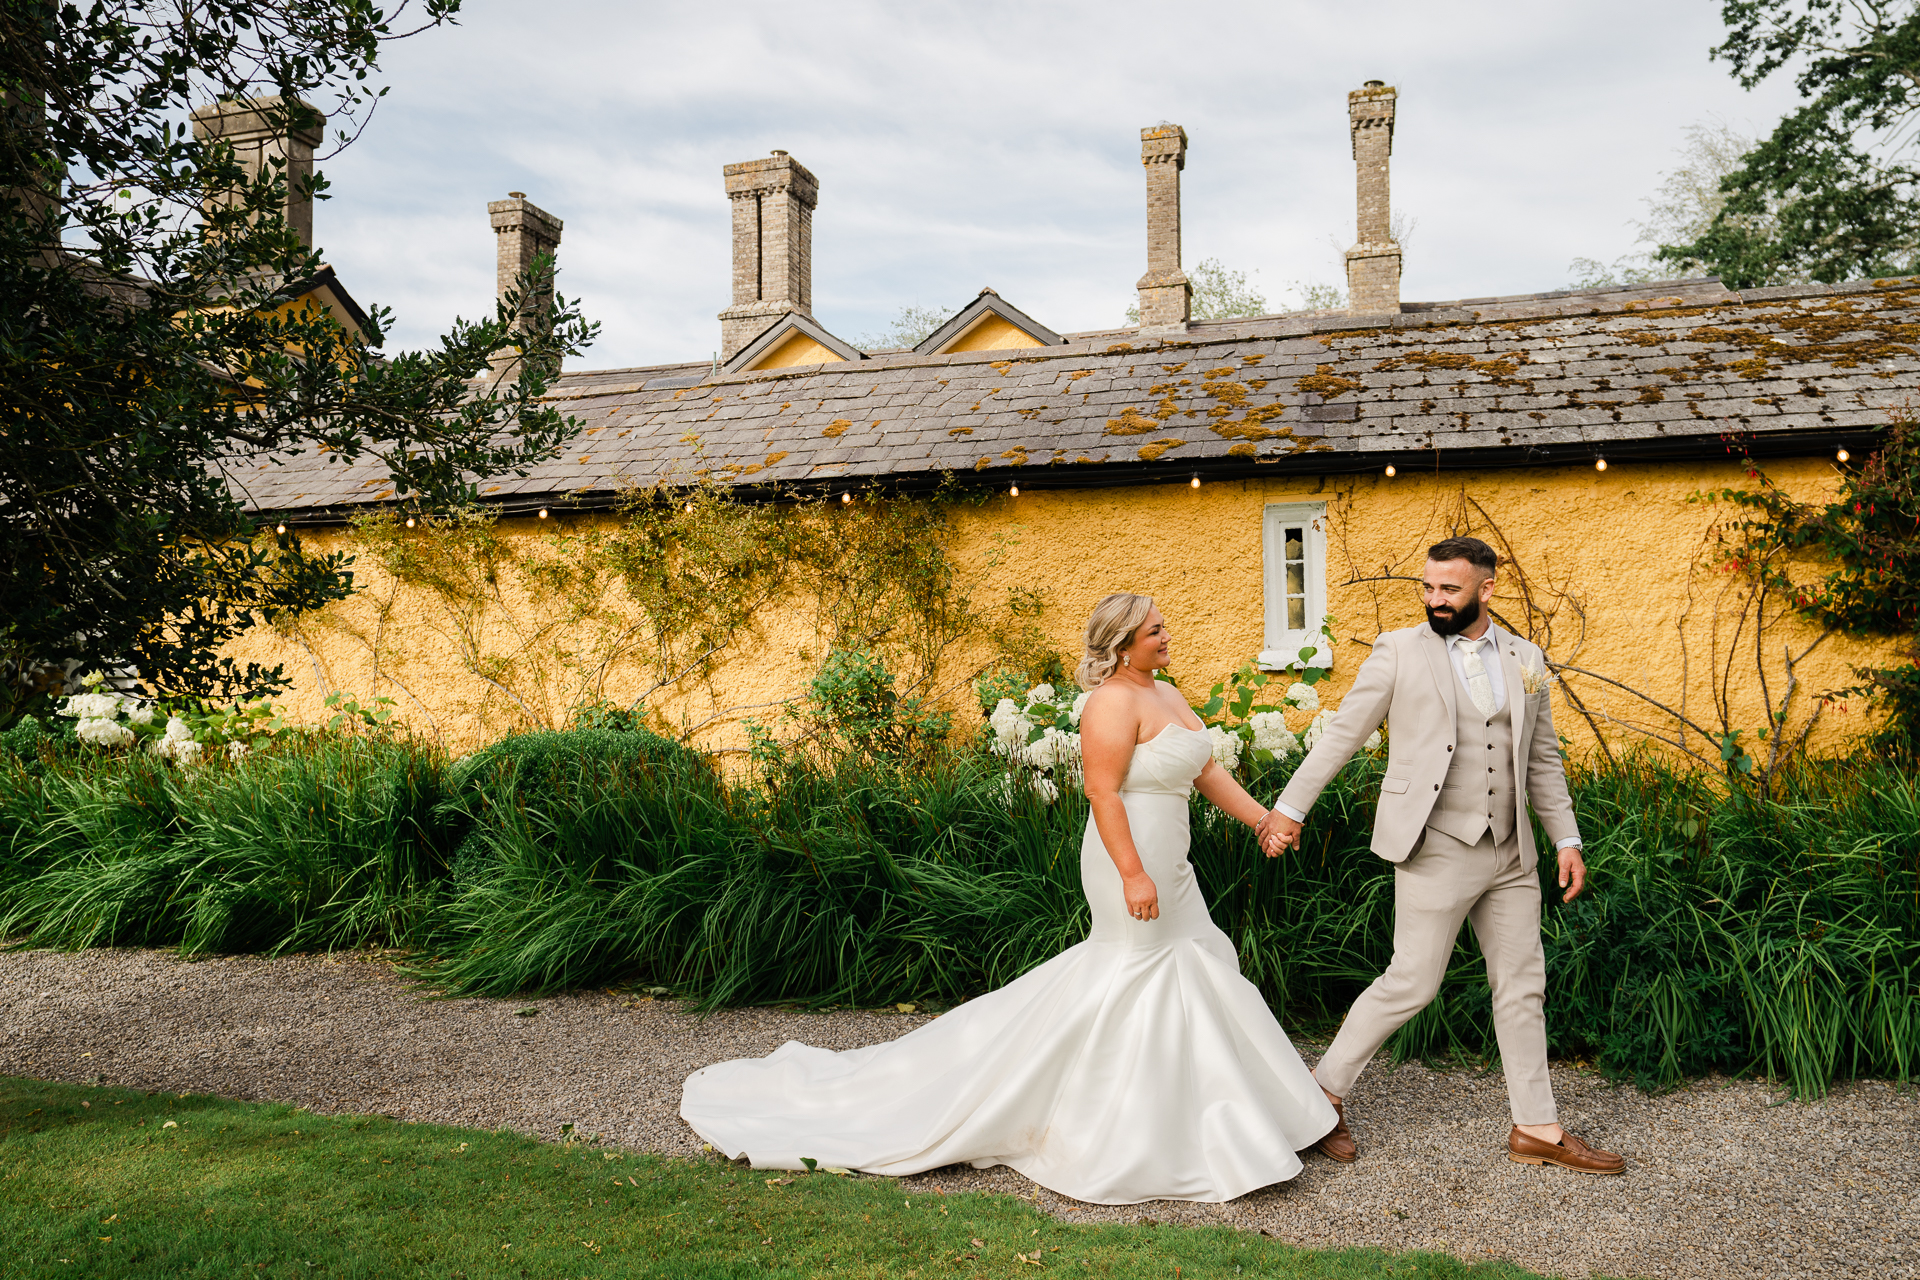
(1126, 659)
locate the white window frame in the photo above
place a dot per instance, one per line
(1283, 643)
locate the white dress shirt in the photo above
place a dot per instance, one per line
(1489, 658)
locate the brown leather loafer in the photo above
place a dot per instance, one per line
(1568, 1153)
(1338, 1144)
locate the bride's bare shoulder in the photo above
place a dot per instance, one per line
(1112, 701)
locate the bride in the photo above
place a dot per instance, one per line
(1137, 1065)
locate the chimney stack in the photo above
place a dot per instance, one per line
(1373, 264)
(522, 231)
(1166, 298)
(773, 202)
(261, 129)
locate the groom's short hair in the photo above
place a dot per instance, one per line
(1472, 550)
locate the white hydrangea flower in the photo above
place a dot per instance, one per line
(1040, 693)
(1270, 733)
(236, 749)
(92, 706)
(103, 733)
(1044, 788)
(177, 742)
(1003, 790)
(141, 713)
(1009, 727)
(1373, 741)
(1226, 747)
(1079, 705)
(1318, 727)
(1302, 696)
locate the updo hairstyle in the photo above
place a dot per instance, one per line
(1109, 630)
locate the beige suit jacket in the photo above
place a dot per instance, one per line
(1408, 681)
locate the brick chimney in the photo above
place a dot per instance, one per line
(522, 231)
(1373, 264)
(773, 201)
(261, 129)
(1166, 298)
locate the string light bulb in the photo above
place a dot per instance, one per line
(1599, 464)
(543, 513)
(1194, 483)
(845, 498)
(1015, 491)
(281, 528)
(409, 522)
(1391, 473)
(1841, 456)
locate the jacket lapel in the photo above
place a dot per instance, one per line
(1521, 723)
(1441, 664)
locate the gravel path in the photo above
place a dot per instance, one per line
(1724, 1178)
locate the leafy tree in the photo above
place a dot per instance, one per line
(1865, 542)
(1682, 211)
(909, 329)
(1320, 297)
(1219, 293)
(153, 357)
(1830, 194)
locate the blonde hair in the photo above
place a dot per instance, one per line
(1109, 630)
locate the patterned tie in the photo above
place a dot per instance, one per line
(1479, 688)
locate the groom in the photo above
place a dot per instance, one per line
(1470, 742)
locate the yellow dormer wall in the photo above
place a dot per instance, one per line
(798, 349)
(991, 333)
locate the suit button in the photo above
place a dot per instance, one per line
(1489, 790)
(1449, 746)
(1436, 786)
(1489, 725)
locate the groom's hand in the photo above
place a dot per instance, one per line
(1278, 833)
(1573, 871)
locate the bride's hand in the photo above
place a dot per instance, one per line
(1143, 900)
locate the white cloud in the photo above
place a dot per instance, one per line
(997, 144)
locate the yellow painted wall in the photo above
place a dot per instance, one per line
(991, 333)
(798, 349)
(1621, 561)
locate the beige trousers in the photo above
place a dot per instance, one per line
(1444, 882)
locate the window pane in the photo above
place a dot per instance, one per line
(1296, 579)
(1296, 546)
(1296, 613)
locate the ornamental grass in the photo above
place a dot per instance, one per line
(1727, 928)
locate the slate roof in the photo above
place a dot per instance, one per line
(1676, 369)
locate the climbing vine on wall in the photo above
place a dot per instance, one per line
(650, 607)
(1738, 622)
(1850, 564)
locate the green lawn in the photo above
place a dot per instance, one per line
(112, 1182)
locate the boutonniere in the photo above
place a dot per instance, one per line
(1534, 680)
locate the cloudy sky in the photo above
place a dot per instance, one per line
(987, 143)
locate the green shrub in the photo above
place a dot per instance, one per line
(326, 843)
(1726, 927)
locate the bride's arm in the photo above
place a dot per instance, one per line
(1217, 785)
(1108, 728)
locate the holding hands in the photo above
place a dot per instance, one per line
(1277, 833)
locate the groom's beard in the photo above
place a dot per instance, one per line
(1446, 622)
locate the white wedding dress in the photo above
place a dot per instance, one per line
(1137, 1065)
